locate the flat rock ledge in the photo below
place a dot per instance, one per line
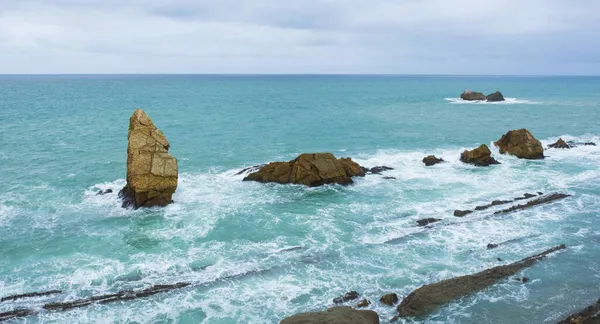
(430, 297)
(334, 315)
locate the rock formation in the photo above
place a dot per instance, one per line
(589, 315)
(494, 97)
(311, 169)
(560, 144)
(431, 160)
(472, 95)
(334, 315)
(427, 221)
(389, 299)
(481, 156)
(351, 295)
(428, 298)
(151, 171)
(521, 144)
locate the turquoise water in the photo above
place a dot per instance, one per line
(63, 138)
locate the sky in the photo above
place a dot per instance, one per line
(487, 37)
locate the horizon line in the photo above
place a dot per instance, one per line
(300, 74)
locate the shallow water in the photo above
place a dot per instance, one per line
(64, 138)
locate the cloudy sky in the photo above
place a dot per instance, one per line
(535, 37)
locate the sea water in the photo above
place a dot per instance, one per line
(259, 252)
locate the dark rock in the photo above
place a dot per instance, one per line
(250, 169)
(472, 95)
(492, 246)
(364, 303)
(389, 178)
(589, 144)
(427, 221)
(431, 160)
(499, 259)
(335, 315)
(525, 280)
(389, 299)
(379, 169)
(494, 203)
(540, 193)
(15, 313)
(32, 294)
(430, 297)
(462, 213)
(481, 156)
(521, 144)
(534, 202)
(494, 97)
(352, 295)
(589, 315)
(311, 169)
(561, 144)
(104, 192)
(525, 197)
(395, 319)
(518, 279)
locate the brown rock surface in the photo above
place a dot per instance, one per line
(481, 156)
(472, 95)
(521, 144)
(431, 160)
(311, 169)
(335, 315)
(151, 171)
(589, 315)
(560, 144)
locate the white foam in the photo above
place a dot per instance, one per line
(507, 101)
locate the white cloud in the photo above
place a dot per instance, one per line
(311, 36)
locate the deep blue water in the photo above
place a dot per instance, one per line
(63, 138)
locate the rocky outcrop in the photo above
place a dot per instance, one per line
(389, 299)
(481, 156)
(430, 297)
(495, 97)
(151, 171)
(427, 221)
(351, 295)
(311, 169)
(521, 144)
(561, 144)
(379, 169)
(589, 315)
(431, 160)
(334, 315)
(472, 95)
(104, 192)
(363, 303)
(462, 213)
(535, 202)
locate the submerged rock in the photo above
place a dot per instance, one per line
(363, 303)
(472, 95)
(389, 299)
(427, 221)
(104, 192)
(494, 97)
(311, 169)
(334, 315)
(151, 171)
(430, 297)
(481, 156)
(561, 144)
(521, 144)
(492, 246)
(534, 202)
(352, 295)
(379, 169)
(431, 160)
(462, 213)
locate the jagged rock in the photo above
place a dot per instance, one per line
(430, 297)
(492, 246)
(389, 299)
(561, 144)
(352, 295)
(462, 213)
(521, 144)
(525, 280)
(379, 169)
(311, 169)
(364, 303)
(481, 156)
(472, 95)
(250, 169)
(151, 171)
(104, 192)
(431, 160)
(534, 202)
(427, 221)
(389, 178)
(589, 315)
(575, 144)
(494, 97)
(334, 315)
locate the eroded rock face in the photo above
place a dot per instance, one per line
(560, 144)
(151, 171)
(311, 169)
(521, 144)
(494, 97)
(472, 95)
(335, 315)
(481, 156)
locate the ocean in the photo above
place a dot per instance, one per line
(257, 253)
